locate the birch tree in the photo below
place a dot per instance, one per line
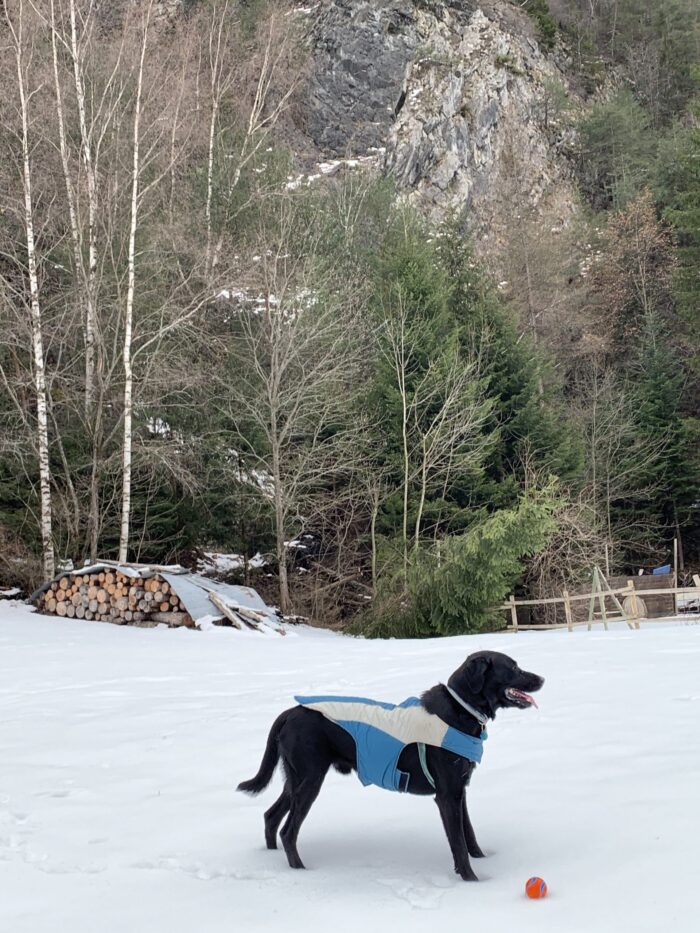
(22, 46)
(254, 89)
(129, 312)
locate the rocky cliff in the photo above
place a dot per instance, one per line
(458, 97)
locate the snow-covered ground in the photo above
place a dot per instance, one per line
(120, 749)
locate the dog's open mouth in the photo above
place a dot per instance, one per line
(520, 698)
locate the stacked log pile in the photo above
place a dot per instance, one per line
(113, 596)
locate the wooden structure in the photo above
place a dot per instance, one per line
(605, 604)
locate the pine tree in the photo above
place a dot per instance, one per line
(680, 193)
(617, 151)
(659, 384)
(455, 589)
(527, 414)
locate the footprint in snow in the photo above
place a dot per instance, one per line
(422, 897)
(202, 872)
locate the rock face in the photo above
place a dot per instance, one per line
(361, 52)
(459, 93)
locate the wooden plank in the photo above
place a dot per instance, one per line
(573, 597)
(513, 613)
(534, 602)
(567, 611)
(634, 603)
(226, 610)
(603, 613)
(669, 591)
(615, 599)
(594, 590)
(675, 575)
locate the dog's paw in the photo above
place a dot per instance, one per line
(475, 852)
(466, 874)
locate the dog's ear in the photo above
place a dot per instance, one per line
(475, 673)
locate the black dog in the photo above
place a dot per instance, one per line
(309, 743)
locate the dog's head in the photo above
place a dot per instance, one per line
(491, 681)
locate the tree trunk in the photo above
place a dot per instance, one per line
(129, 317)
(376, 494)
(90, 315)
(401, 372)
(210, 179)
(423, 491)
(285, 603)
(36, 322)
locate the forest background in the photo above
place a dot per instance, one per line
(392, 422)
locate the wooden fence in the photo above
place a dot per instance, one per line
(628, 605)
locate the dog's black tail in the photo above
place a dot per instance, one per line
(269, 761)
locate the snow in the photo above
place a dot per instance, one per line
(332, 166)
(121, 748)
(157, 425)
(217, 562)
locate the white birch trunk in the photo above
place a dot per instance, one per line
(35, 309)
(210, 179)
(90, 311)
(129, 318)
(60, 115)
(401, 373)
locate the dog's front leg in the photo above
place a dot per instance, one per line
(473, 846)
(451, 809)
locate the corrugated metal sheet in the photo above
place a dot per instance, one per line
(193, 590)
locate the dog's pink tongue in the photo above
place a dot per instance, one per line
(526, 696)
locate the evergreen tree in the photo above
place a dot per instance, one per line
(659, 385)
(679, 190)
(456, 589)
(617, 151)
(527, 413)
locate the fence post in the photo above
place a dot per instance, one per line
(513, 613)
(567, 611)
(634, 602)
(595, 586)
(675, 576)
(601, 600)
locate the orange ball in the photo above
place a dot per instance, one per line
(536, 888)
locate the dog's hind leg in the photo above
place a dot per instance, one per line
(472, 845)
(302, 798)
(274, 816)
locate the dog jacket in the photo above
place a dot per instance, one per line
(382, 730)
